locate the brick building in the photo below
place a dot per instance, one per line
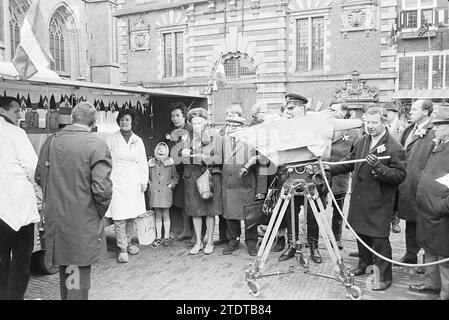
(82, 36)
(269, 48)
(422, 53)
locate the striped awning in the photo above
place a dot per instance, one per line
(422, 94)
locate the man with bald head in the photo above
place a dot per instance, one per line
(417, 140)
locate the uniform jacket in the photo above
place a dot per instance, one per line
(397, 129)
(433, 200)
(239, 192)
(79, 190)
(417, 153)
(373, 194)
(129, 172)
(162, 174)
(343, 143)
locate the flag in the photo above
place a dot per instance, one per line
(392, 37)
(424, 28)
(219, 77)
(33, 51)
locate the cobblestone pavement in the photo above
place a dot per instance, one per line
(170, 273)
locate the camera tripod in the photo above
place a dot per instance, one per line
(305, 185)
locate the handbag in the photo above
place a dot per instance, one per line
(204, 184)
(271, 198)
(253, 214)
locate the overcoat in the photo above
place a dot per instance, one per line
(433, 200)
(373, 193)
(79, 190)
(176, 144)
(417, 153)
(162, 174)
(239, 192)
(343, 143)
(194, 167)
(129, 172)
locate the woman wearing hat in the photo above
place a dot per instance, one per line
(196, 159)
(130, 180)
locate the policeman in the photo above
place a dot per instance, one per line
(294, 107)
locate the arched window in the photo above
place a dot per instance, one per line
(57, 46)
(237, 65)
(17, 12)
(64, 43)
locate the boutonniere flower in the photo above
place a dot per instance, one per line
(345, 137)
(184, 137)
(381, 148)
(421, 132)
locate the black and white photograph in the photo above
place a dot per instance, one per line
(224, 156)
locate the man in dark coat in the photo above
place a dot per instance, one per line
(433, 201)
(417, 140)
(343, 142)
(74, 169)
(242, 185)
(374, 184)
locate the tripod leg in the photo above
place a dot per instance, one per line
(270, 230)
(276, 228)
(329, 231)
(293, 222)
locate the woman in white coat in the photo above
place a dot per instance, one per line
(130, 181)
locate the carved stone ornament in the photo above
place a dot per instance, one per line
(139, 35)
(190, 12)
(255, 4)
(356, 90)
(358, 19)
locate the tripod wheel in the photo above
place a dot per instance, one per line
(354, 292)
(253, 287)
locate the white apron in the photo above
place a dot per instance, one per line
(129, 171)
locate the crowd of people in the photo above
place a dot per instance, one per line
(200, 173)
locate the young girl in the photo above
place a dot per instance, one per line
(163, 179)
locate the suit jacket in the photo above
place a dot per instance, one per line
(417, 154)
(373, 193)
(433, 200)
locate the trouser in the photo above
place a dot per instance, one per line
(312, 224)
(124, 230)
(337, 220)
(221, 228)
(15, 258)
(366, 258)
(410, 241)
(233, 231)
(437, 276)
(74, 282)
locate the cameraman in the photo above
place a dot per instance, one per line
(295, 107)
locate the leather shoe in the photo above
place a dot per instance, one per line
(340, 245)
(406, 259)
(252, 251)
(421, 270)
(220, 242)
(358, 271)
(421, 287)
(382, 286)
(231, 247)
(280, 244)
(315, 254)
(287, 254)
(354, 254)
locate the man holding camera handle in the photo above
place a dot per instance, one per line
(374, 184)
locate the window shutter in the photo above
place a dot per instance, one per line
(441, 16)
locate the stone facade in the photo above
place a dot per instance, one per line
(88, 30)
(266, 33)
